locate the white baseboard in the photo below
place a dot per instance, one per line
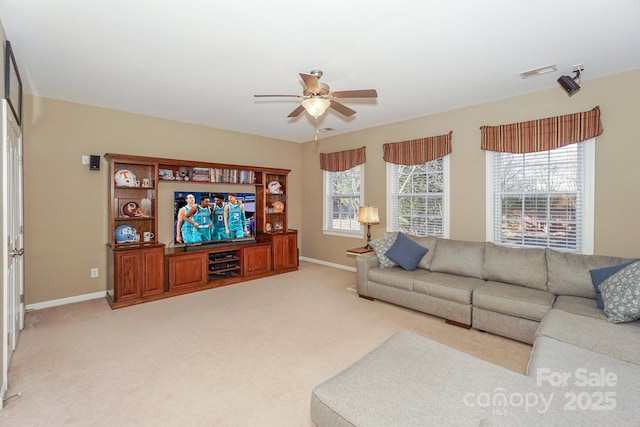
(329, 264)
(63, 301)
(95, 295)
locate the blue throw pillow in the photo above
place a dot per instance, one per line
(406, 253)
(599, 275)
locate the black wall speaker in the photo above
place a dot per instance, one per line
(94, 163)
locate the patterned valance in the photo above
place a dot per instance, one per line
(543, 134)
(417, 151)
(342, 160)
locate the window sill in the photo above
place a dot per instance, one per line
(355, 235)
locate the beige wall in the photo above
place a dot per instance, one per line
(66, 204)
(617, 195)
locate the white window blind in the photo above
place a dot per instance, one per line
(343, 194)
(539, 198)
(417, 198)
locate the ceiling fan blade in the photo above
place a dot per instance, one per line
(294, 96)
(296, 112)
(366, 93)
(311, 82)
(342, 109)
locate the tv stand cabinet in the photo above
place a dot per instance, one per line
(141, 271)
(214, 267)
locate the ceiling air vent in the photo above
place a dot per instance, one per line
(539, 71)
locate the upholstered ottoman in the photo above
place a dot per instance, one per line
(410, 380)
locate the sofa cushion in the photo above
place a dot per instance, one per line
(428, 242)
(381, 246)
(505, 325)
(405, 252)
(621, 294)
(520, 266)
(579, 305)
(551, 355)
(395, 277)
(615, 379)
(615, 340)
(568, 273)
(532, 304)
(446, 286)
(599, 275)
(458, 257)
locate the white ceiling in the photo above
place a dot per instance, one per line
(201, 61)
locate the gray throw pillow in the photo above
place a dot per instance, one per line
(621, 294)
(599, 275)
(381, 246)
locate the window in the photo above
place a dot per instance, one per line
(542, 199)
(343, 197)
(418, 198)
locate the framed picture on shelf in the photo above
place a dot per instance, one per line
(166, 174)
(12, 83)
(278, 226)
(267, 227)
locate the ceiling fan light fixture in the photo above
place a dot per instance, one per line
(316, 107)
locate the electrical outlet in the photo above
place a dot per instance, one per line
(85, 160)
(94, 273)
(578, 67)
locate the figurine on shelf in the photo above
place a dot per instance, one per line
(132, 209)
(274, 187)
(278, 206)
(125, 178)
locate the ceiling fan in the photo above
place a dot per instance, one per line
(318, 97)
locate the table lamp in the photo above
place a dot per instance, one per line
(368, 215)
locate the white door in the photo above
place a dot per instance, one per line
(12, 233)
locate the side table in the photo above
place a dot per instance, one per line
(358, 251)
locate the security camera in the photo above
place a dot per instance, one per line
(569, 83)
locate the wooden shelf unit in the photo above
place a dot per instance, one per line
(142, 271)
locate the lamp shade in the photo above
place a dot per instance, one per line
(316, 106)
(368, 215)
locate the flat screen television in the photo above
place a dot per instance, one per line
(209, 234)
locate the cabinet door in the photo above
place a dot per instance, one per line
(256, 260)
(127, 275)
(152, 272)
(187, 271)
(285, 251)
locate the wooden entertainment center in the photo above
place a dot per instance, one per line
(146, 270)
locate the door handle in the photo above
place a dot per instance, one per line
(17, 252)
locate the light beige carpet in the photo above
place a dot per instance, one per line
(241, 355)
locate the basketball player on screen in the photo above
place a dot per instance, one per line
(235, 221)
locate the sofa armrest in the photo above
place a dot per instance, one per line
(364, 262)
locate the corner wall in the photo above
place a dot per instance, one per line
(617, 200)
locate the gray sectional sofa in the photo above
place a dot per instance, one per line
(506, 291)
(586, 368)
